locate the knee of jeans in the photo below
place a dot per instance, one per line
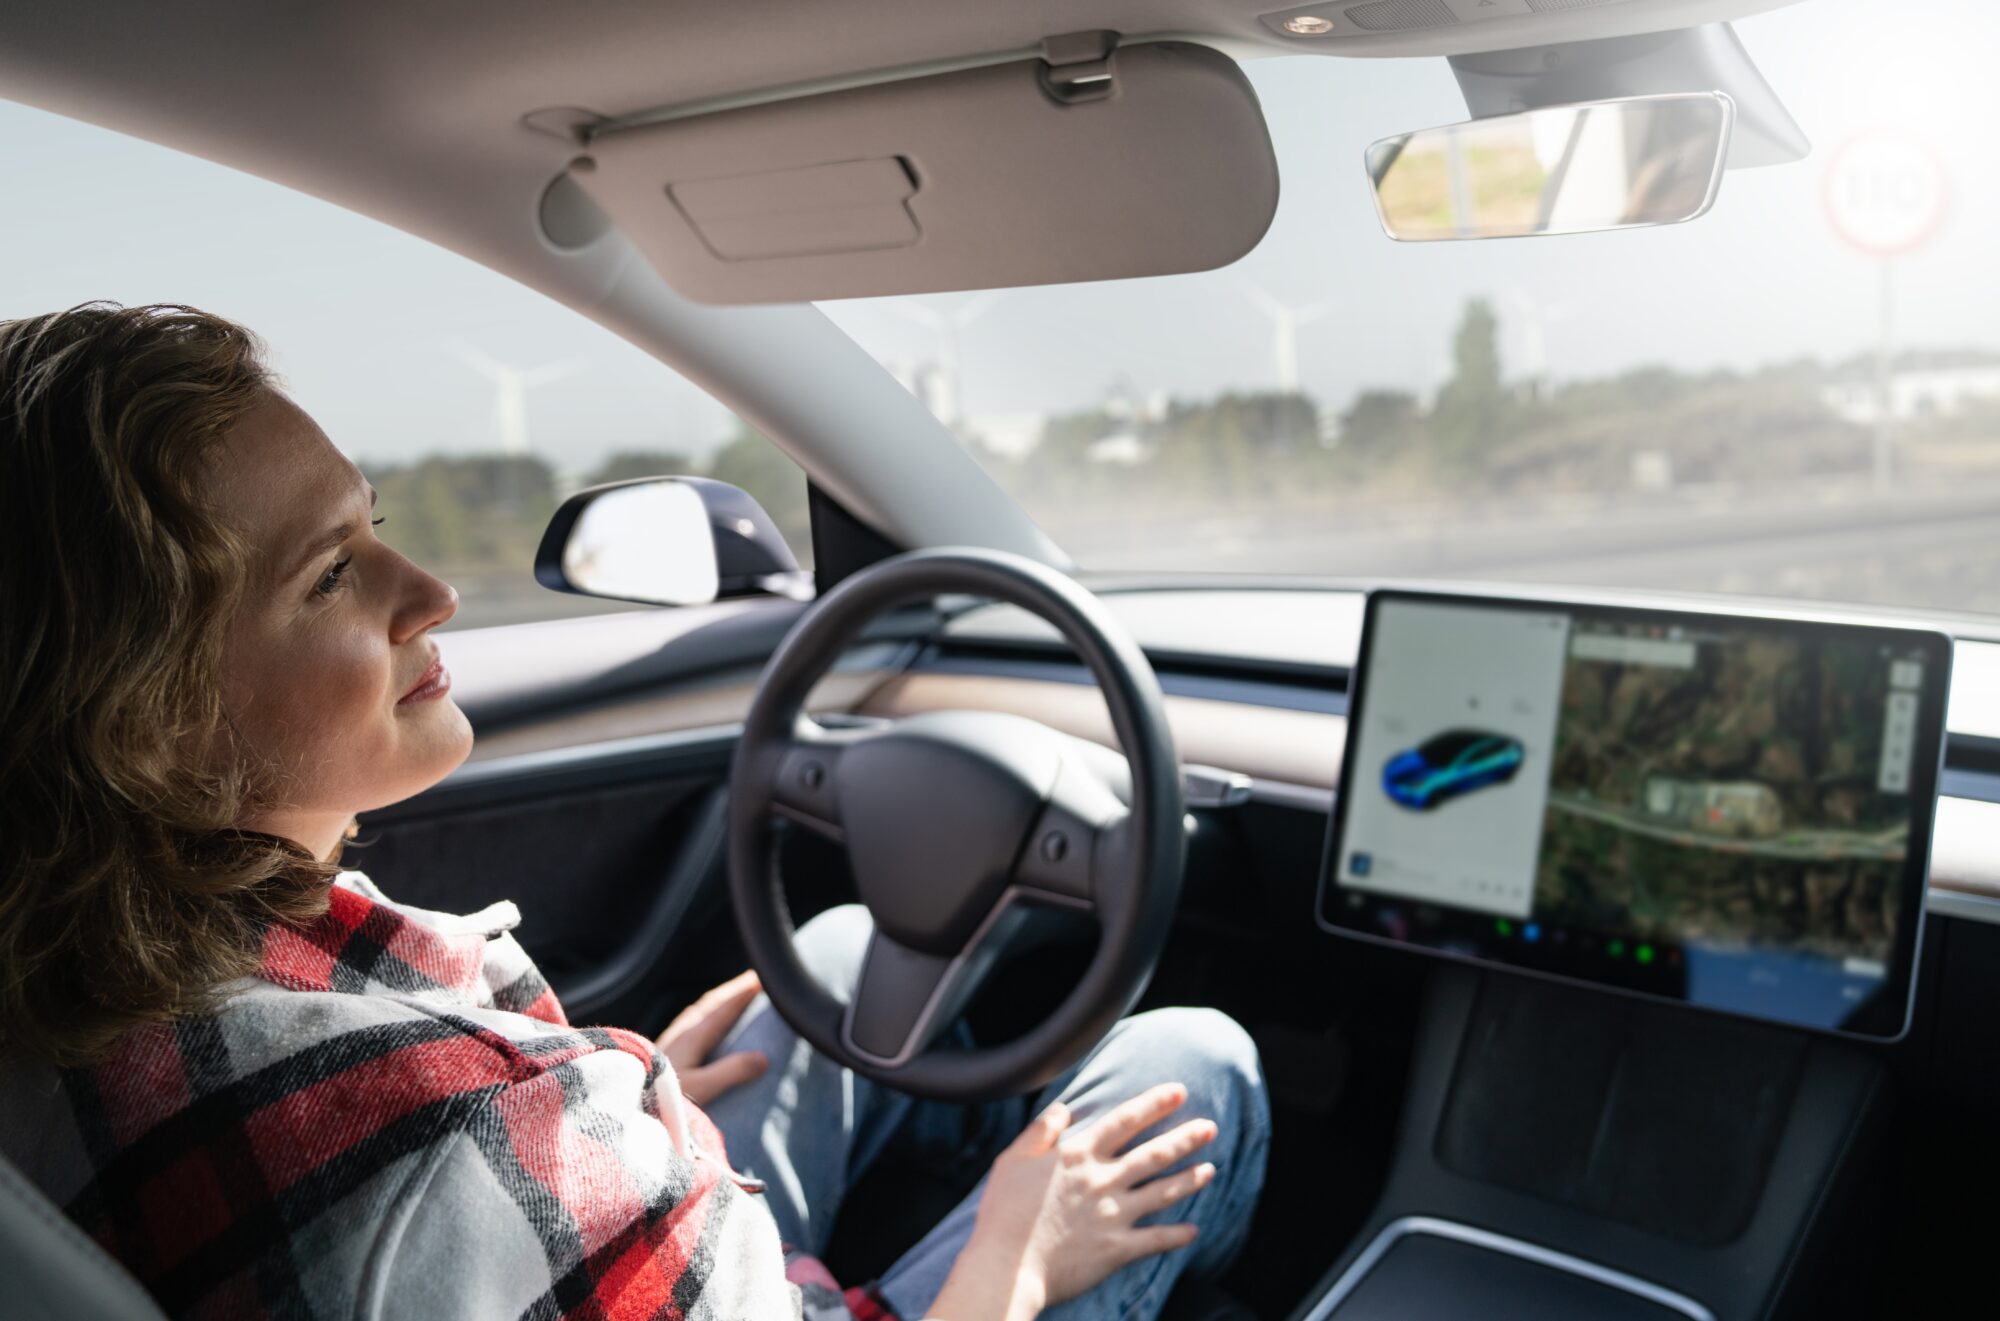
(1214, 1058)
(831, 944)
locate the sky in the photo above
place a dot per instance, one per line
(366, 323)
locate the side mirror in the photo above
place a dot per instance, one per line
(1642, 160)
(667, 541)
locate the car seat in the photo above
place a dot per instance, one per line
(52, 1271)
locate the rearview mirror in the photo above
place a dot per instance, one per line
(1643, 160)
(666, 541)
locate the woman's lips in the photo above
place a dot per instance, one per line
(434, 682)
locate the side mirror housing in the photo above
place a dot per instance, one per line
(667, 541)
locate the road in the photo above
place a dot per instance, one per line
(1795, 845)
(1936, 546)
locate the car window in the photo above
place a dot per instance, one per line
(473, 403)
(1795, 395)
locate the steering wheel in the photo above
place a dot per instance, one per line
(959, 825)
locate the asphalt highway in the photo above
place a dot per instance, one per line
(1935, 545)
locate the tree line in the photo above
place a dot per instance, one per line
(1480, 434)
(478, 511)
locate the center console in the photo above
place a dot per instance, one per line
(1672, 866)
(1565, 1155)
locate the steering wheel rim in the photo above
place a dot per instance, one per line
(941, 896)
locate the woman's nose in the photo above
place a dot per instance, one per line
(429, 603)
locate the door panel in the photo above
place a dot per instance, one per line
(583, 867)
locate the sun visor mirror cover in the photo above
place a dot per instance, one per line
(974, 179)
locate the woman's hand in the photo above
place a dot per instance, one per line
(1057, 1214)
(700, 1028)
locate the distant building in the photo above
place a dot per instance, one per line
(1914, 392)
(1124, 450)
(1010, 435)
(1739, 807)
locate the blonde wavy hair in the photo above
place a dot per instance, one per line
(127, 893)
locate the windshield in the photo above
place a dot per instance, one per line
(1763, 400)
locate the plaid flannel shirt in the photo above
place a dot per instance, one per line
(394, 1118)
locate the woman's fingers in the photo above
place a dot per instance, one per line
(1043, 1130)
(1156, 1154)
(732, 1070)
(1150, 1240)
(700, 1027)
(1128, 1119)
(1168, 1190)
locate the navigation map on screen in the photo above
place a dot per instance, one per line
(1709, 808)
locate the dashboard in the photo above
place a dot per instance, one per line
(1255, 675)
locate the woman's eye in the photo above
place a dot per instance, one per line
(330, 583)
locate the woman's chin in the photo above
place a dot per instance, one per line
(441, 737)
(461, 726)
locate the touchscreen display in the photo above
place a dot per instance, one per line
(1729, 811)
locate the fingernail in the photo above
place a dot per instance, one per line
(1204, 1172)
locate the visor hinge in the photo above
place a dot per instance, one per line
(1076, 66)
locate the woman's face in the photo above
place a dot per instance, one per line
(331, 676)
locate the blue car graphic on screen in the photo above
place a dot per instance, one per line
(1450, 765)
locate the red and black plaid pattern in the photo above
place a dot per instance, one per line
(395, 1118)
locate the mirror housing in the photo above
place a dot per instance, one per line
(1709, 58)
(1570, 169)
(667, 541)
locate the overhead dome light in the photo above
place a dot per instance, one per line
(1309, 25)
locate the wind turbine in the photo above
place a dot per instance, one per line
(947, 326)
(510, 392)
(1286, 321)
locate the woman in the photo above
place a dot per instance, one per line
(267, 1089)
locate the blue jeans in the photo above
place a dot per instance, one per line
(809, 1128)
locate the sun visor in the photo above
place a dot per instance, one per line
(1152, 160)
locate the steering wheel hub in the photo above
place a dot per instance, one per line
(936, 812)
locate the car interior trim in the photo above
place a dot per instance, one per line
(1297, 747)
(1964, 905)
(699, 858)
(1323, 692)
(576, 765)
(1964, 881)
(694, 706)
(1396, 1230)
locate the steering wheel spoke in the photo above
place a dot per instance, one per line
(805, 776)
(1075, 852)
(905, 998)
